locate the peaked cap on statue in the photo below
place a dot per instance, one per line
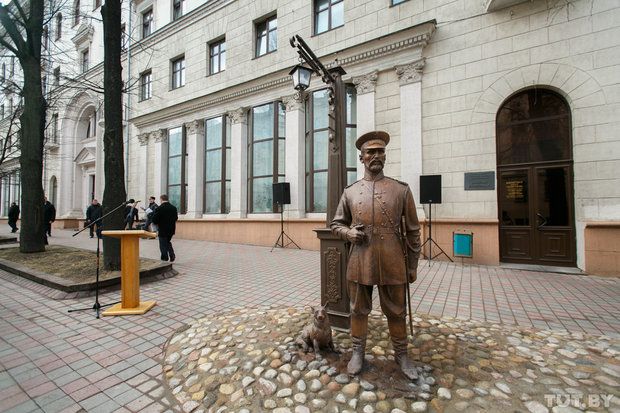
(373, 140)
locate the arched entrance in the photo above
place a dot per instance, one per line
(535, 179)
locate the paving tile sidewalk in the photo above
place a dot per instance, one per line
(52, 360)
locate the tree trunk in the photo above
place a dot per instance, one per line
(32, 119)
(114, 169)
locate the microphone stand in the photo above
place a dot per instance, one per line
(97, 306)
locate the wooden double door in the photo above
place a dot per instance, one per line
(535, 179)
(536, 214)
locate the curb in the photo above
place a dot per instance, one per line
(160, 271)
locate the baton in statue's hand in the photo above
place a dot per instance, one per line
(403, 235)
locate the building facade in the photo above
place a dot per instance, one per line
(514, 104)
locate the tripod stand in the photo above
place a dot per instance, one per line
(430, 241)
(280, 240)
(98, 221)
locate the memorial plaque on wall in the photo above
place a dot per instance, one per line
(479, 181)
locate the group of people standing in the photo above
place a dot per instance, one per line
(159, 218)
(49, 216)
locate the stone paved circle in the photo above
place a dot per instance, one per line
(246, 360)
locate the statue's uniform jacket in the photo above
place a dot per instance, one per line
(379, 205)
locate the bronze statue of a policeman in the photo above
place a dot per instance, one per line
(373, 215)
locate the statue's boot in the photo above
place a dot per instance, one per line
(357, 359)
(400, 350)
(359, 325)
(398, 331)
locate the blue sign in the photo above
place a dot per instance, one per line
(463, 245)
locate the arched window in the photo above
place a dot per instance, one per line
(53, 190)
(533, 126)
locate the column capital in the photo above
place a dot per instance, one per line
(143, 138)
(410, 73)
(195, 127)
(160, 135)
(366, 83)
(238, 116)
(294, 101)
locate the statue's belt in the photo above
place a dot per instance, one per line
(370, 229)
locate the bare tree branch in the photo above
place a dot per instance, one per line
(11, 29)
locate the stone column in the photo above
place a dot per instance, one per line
(410, 77)
(295, 154)
(195, 167)
(143, 172)
(365, 86)
(160, 168)
(239, 163)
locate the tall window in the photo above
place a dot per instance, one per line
(58, 26)
(177, 168)
(91, 126)
(96, 4)
(177, 9)
(45, 37)
(147, 23)
(317, 145)
(57, 76)
(217, 165)
(85, 61)
(266, 36)
(76, 12)
(123, 37)
(54, 134)
(146, 85)
(178, 72)
(328, 14)
(53, 191)
(217, 56)
(266, 154)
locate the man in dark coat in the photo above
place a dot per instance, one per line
(370, 216)
(49, 216)
(149, 214)
(165, 217)
(13, 216)
(93, 213)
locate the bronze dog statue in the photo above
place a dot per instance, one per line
(317, 335)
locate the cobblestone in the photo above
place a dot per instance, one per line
(482, 366)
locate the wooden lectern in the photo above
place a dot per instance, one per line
(130, 273)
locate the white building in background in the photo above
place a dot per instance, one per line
(514, 103)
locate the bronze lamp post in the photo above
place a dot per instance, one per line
(333, 249)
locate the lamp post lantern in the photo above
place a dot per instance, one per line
(301, 77)
(333, 251)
